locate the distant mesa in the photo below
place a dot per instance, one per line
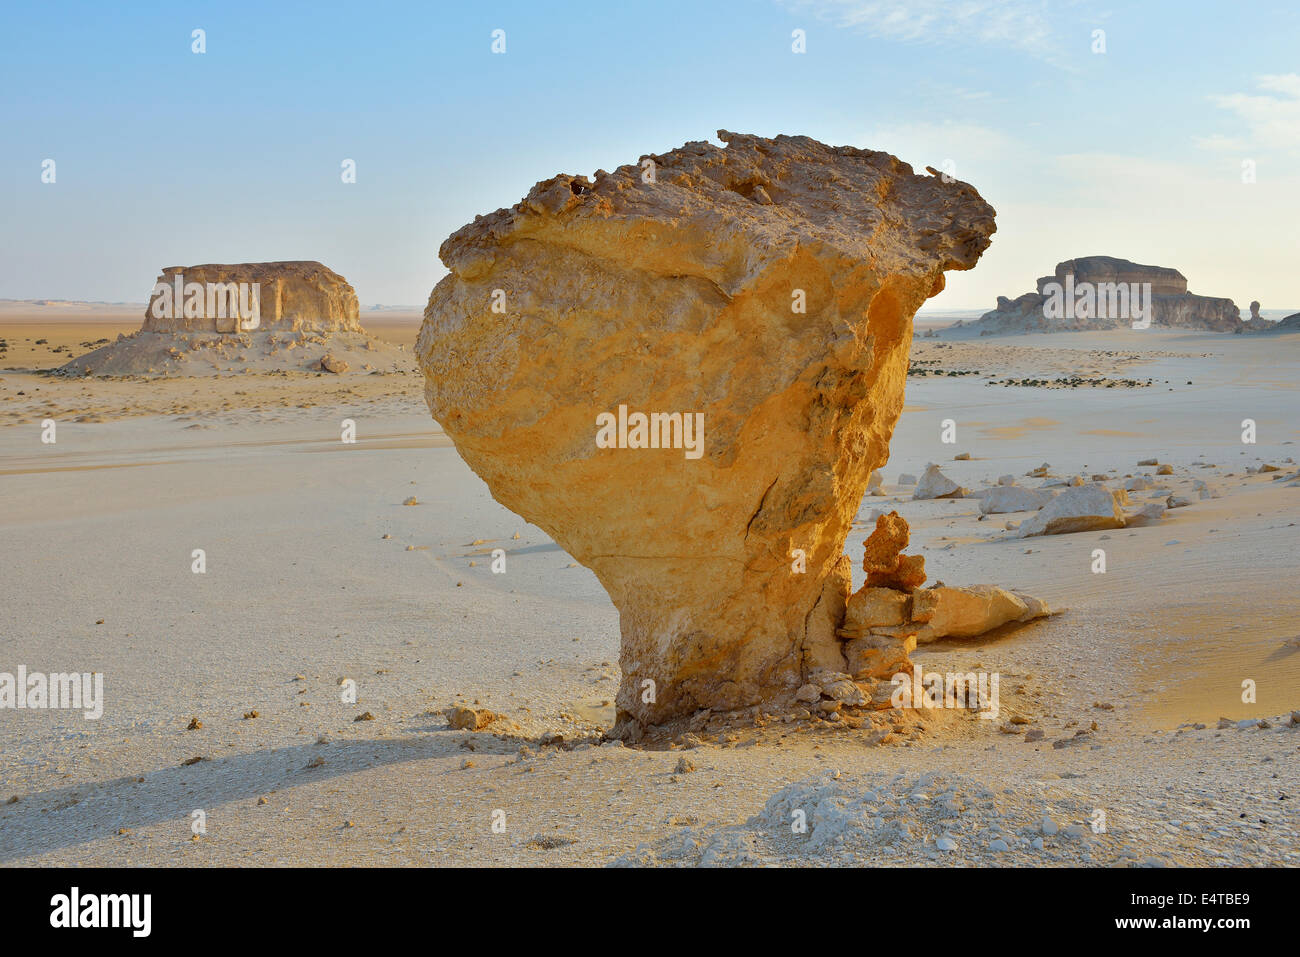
(292, 296)
(1102, 292)
(216, 319)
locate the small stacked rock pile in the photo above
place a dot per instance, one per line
(891, 614)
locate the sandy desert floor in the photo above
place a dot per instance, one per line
(316, 572)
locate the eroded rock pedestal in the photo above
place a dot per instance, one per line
(769, 285)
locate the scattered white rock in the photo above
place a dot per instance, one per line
(1205, 490)
(1012, 498)
(1149, 514)
(934, 484)
(1082, 509)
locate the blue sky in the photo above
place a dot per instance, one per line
(168, 157)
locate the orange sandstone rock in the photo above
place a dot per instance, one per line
(884, 566)
(753, 303)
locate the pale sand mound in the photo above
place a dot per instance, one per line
(205, 353)
(951, 819)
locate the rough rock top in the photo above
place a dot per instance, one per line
(779, 193)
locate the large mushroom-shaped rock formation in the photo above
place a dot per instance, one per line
(757, 301)
(254, 317)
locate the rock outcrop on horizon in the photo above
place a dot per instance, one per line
(1289, 323)
(245, 317)
(758, 300)
(1171, 304)
(1257, 323)
(296, 296)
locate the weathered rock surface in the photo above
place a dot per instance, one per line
(970, 611)
(293, 297)
(1082, 508)
(1171, 304)
(768, 286)
(883, 561)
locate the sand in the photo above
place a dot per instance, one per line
(38, 345)
(302, 589)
